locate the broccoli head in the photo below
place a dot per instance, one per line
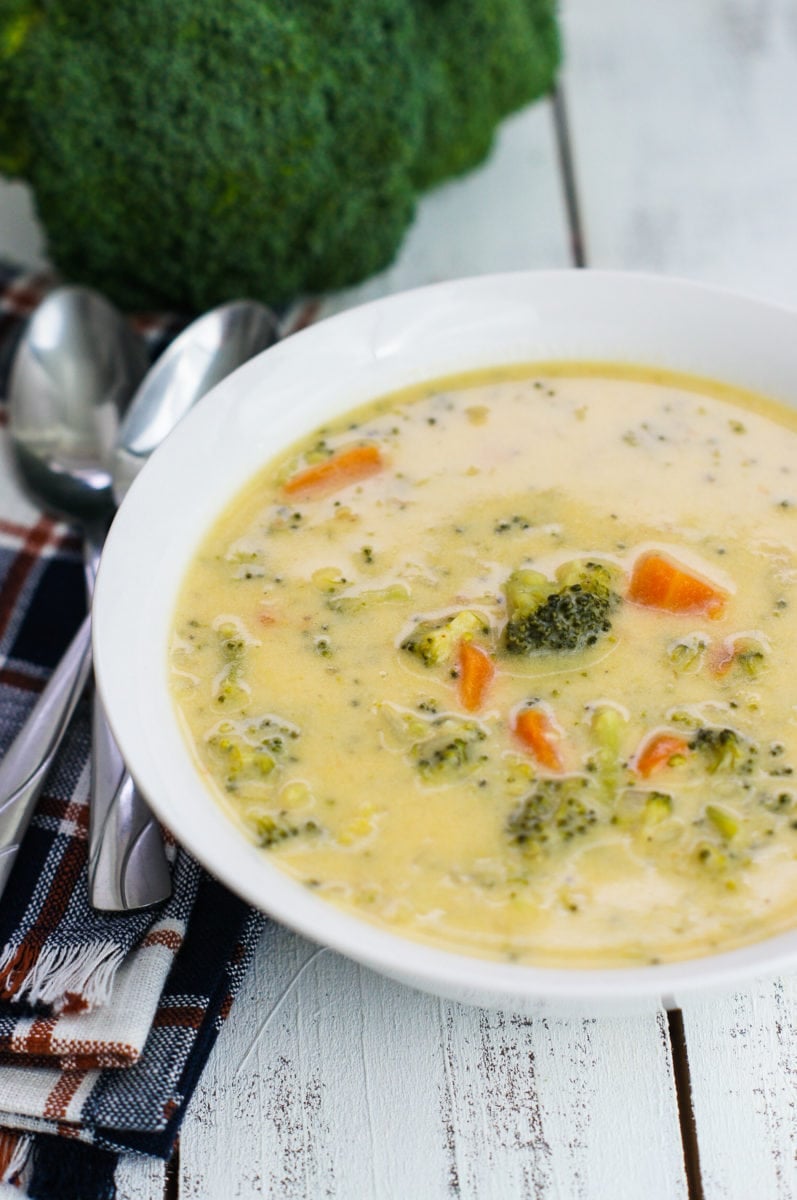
(185, 153)
(571, 614)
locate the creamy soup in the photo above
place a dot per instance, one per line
(505, 663)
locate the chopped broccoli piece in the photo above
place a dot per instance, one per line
(248, 751)
(725, 822)
(574, 614)
(229, 689)
(607, 726)
(187, 153)
(526, 590)
(270, 829)
(686, 654)
(449, 751)
(750, 655)
(554, 812)
(640, 807)
(724, 750)
(355, 602)
(434, 642)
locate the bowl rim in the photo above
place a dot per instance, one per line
(363, 341)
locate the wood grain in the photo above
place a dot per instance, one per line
(329, 1080)
(140, 1178)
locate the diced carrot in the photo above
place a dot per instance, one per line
(342, 469)
(537, 732)
(658, 752)
(657, 582)
(475, 674)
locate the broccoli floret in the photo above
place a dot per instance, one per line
(450, 750)
(573, 615)
(724, 750)
(434, 642)
(248, 751)
(554, 812)
(185, 153)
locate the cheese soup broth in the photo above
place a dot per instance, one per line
(504, 664)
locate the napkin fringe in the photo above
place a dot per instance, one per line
(73, 977)
(15, 1151)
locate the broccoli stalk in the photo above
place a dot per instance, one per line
(607, 729)
(571, 614)
(434, 642)
(185, 153)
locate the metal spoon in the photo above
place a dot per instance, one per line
(203, 354)
(127, 866)
(74, 371)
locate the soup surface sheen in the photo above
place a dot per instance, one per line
(504, 663)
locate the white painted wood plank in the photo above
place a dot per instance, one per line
(21, 236)
(582, 1110)
(743, 1059)
(682, 119)
(139, 1178)
(506, 215)
(683, 125)
(319, 1085)
(329, 1080)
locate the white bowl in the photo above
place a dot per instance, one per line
(289, 390)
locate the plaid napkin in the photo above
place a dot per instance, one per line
(105, 1021)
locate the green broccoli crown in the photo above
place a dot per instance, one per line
(573, 617)
(182, 154)
(554, 812)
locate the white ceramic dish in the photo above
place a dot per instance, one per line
(292, 388)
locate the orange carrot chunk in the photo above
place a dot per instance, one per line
(475, 674)
(658, 752)
(656, 582)
(535, 729)
(341, 470)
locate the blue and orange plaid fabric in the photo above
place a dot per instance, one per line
(112, 1018)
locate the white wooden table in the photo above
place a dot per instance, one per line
(671, 147)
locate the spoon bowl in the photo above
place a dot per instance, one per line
(200, 357)
(73, 375)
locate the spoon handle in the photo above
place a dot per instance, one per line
(127, 863)
(28, 759)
